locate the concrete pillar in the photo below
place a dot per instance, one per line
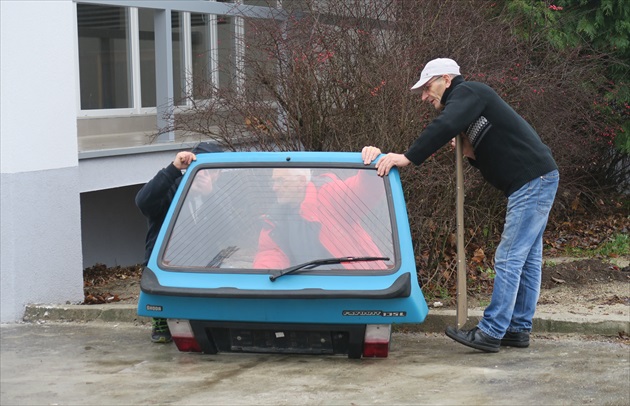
(40, 236)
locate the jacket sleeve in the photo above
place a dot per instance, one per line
(154, 199)
(363, 184)
(462, 108)
(269, 255)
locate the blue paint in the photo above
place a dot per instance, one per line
(219, 306)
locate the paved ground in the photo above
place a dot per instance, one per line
(100, 363)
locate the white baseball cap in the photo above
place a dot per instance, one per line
(436, 67)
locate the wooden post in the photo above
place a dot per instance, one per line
(462, 302)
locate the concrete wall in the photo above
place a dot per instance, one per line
(107, 171)
(41, 240)
(113, 229)
(39, 184)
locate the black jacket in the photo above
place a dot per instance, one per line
(508, 151)
(154, 200)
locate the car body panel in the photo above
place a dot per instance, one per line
(386, 292)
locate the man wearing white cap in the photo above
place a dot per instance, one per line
(511, 156)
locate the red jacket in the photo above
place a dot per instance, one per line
(332, 206)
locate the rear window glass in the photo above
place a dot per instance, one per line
(274, 218)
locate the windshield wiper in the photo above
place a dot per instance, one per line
(224, 254)
(318, 262)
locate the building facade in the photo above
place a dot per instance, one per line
(84, 84)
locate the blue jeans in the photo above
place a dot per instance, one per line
(518, 259)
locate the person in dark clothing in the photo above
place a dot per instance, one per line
(511, 156)
(154, 200)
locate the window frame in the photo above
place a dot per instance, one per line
(164, 239)
(235, 9)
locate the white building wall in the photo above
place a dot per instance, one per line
(40, 208)
(113, 230)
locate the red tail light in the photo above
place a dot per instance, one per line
(183, 336)
(376, 342)
(186, 344)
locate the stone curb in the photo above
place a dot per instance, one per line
(83, 313)
(436, 321)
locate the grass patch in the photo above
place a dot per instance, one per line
(616, 246)
(441, 294)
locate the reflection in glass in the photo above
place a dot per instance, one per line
(104, 61)
(265, 218)
(201, 55)
(147, 57)
(209, 58)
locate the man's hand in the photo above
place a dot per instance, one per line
(385, 164)
(184, 159)
(468, 149)
(369, 154)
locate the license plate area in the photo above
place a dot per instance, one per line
(280, 338)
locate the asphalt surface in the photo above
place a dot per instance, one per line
(113, 363)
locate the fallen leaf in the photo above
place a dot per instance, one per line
(479, 256)
(556, 280)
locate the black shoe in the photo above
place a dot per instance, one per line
(474, 338)
(516, 339)
(160, 332)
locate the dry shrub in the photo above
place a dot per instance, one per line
(335, 76)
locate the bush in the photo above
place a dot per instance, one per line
(338, 78)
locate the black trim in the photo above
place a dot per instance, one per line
(400, 288)
(217, 336)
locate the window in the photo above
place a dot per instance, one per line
(213, 52)
(273, 218)
(147, 57)
(117, 56)
(104, 57)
